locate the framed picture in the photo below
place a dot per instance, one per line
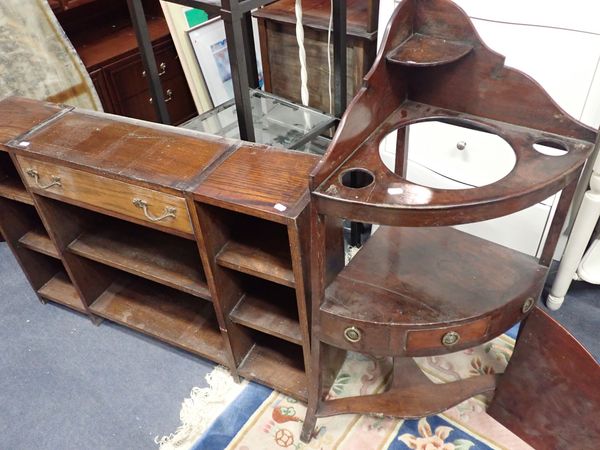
(210, 47)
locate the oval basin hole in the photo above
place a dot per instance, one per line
(357, 178)
(550, 148)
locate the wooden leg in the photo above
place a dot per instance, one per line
(586, 220)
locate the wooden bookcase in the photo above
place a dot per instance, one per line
(175, 234)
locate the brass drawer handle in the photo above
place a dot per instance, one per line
(352, 334)
(143, 204)
(168, 98)
(528, 305)
(54, 180)
(451, 338)
(162, 67)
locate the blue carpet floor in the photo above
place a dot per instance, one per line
(67, 384)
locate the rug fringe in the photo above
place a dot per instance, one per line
(202, 407)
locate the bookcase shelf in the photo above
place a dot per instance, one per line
(150, 254)
(277, 364)
(39, 241)
(11, 186)
(270, 309)
(175, 317)
(60, 289)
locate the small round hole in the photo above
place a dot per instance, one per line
(356, 178)
(550, 148)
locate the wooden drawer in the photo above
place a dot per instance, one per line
(140, 204)
(127, 77)
(180, 103)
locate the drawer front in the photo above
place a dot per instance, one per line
(127, 76)
(142, 204)
(423, 341)
(180, 103)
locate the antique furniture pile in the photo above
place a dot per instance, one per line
(234, 252)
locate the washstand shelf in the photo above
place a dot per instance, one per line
(419, 287)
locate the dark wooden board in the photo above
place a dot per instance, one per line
(39, 241)
(268, 258)
(277, 364)
(19, 115)
(259, 180)
(549, 395)
(171, 316)
(60, 290)
(271, 311)
(159, 257)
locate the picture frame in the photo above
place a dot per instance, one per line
(210, 48)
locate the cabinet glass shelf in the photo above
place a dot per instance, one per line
(277, 122)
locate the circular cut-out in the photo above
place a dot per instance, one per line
(449, 156)
(356, 178)
(550, 148)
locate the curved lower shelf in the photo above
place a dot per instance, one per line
(410, 287)
(427, 51)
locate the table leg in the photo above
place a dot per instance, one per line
(584, 225)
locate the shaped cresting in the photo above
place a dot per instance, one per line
(430, 291)
(433, 66)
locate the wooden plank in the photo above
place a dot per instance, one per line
(39, 241)
(271, 261)
(60, 290)
(13, 189)
(277, 364)
(171, 316)
(275, 315)
(159, 257)
(549, 394)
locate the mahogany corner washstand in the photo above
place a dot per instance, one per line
(419, 287)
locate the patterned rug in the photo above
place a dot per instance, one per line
(262, 419)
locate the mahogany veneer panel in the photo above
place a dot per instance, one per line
(150, 254)
(19, 115)
(130, 150)
(177, 318)
(39, 241)
(277, 364)
(272, 311)
(60, 290)
(260, 180)
(423, 276)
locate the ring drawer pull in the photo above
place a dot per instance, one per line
(143, 204)
(168, 98)
(528, 305)
(54, 180)
(451, 338)
(162, 67)
(352, 334)
(461, 145)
